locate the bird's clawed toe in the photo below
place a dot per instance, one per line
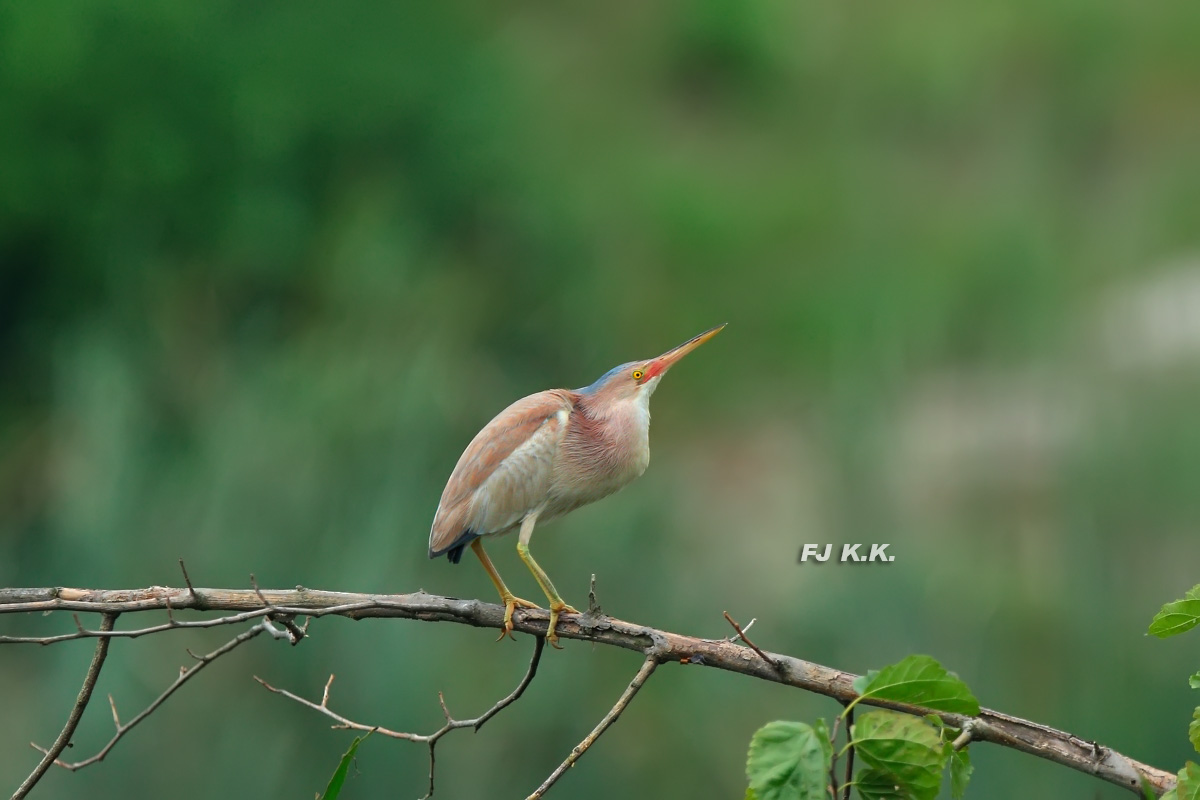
(556, 610)
(511, 603)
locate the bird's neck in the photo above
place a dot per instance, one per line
(624, 426)
(611, 439)
(633, 412)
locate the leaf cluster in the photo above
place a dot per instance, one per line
(902, 756)
(1171, 620)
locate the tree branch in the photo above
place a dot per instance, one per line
(185, 675)
(643, 674)
(85, 696)
(990, 726)
(430, 739)
(849, 753)
(741, 634)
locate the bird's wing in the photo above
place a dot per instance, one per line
(505, 471)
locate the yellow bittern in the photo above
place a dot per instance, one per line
(544, 456)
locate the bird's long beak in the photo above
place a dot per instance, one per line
(664, 362)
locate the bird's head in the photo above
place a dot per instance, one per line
(639, 379)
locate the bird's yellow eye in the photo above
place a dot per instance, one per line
(637, 374)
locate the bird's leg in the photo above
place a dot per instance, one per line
(557, 605)
(508, 598)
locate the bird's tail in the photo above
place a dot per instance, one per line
(455, 550)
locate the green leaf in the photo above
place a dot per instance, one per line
(1148, 792)
(339, 775)
(1194, 681)
(906, 747)
(875, 784)
(919, 680)
(750, 795)
(1175, 618)
(1194, 730)
(788, 761)
(823, 737)
(1188, 787)
(960, 772)
(1171, 795)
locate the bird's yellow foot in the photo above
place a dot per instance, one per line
(511, 602)
(556, 609)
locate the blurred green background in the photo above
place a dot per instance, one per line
(266, 268)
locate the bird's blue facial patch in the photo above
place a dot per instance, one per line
(603, 379)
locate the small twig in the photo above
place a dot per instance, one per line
(849, 753)
(288, 620)
(741, 633)
(50, 756)
(262, 597)
(964, 738)
(185, 675)
(735, 637)
(341, 723)
(344, 609)
(113, 705)
(85, 633)
(430, 739)
(188, 580)
(833, 781)
(594, 608)
(643, 674)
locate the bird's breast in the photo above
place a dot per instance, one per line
(599, 456)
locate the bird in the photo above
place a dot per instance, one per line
(544, 456)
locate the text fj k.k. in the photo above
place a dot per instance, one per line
(849, 553)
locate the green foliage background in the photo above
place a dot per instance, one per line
(265, 269)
